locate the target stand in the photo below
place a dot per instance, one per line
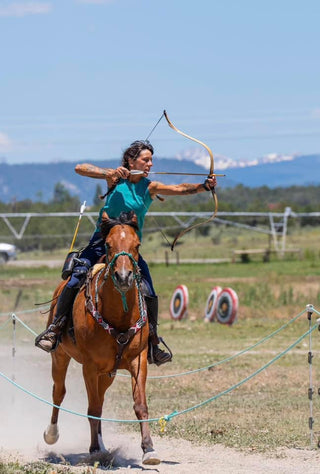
(210, 312)
(227, 306)
(179, 302)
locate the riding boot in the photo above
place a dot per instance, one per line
(155, 354)
(48, 340)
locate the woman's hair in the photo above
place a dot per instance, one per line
(134, 150)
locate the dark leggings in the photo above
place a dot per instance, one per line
(93, 252)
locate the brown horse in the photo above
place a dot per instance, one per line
(110, 332)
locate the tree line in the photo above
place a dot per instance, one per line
(50, 233)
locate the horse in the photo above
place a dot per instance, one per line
(108, 331)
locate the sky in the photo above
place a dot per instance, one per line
(81, 79)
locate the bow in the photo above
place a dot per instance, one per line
(211, 172)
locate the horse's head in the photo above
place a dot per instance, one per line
(122, 248)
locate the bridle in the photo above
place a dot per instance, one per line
(110, 269)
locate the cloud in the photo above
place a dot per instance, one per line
(5, 142)
(19, 9)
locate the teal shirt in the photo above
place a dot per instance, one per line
(127, 196)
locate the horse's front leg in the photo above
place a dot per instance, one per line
(96, 386)
(60, 363)
(138, 372)
(104, 383)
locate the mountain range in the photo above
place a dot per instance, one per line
(36, 181)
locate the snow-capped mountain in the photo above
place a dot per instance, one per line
(200, 157)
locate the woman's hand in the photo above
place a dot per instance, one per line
(210, 183)
(114, 175)
(121, 172)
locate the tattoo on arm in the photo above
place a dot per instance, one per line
(95, 169)
(190, 188)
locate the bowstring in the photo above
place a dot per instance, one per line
(154, 219)
(162, 115)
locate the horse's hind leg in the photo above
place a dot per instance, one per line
(60, 363)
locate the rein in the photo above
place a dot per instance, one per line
(122, 338)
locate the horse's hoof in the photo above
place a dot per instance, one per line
(51, 435)
(151, 458)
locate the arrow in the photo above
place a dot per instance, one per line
(82, 209)
(137, 172)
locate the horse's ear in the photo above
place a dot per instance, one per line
(105, 216)
(134, 219)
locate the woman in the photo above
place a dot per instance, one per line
(127, 191)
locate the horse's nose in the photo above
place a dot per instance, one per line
(124, 279)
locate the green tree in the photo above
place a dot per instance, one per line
(62, 200)
(60, 193)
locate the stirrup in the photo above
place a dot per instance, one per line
(158, 356)
(48, 340)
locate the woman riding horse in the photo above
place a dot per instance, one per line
(128, 190)
(108, 331)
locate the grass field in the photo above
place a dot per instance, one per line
(269, 410)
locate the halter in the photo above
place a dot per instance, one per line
(136, 274)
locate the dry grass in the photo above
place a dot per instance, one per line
(270, 410)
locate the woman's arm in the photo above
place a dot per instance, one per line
(156, 187)
(111, 175)
(92, 171)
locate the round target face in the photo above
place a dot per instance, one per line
(227, 306)
(179, 302)
(211, 306)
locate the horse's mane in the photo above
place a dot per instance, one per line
(125, 218)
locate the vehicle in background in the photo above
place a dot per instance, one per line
(7, 252)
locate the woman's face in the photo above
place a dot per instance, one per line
(143, 162)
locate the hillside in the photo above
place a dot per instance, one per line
(37, 181)
(300, 171)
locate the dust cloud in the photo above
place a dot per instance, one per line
(25, 414)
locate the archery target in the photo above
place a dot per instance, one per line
(179, 302)
(227, 306)
(211, 307)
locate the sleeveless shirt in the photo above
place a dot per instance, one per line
(125, 197)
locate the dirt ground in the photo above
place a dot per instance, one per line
(24, 415)
(178, 457)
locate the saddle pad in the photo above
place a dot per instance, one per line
(97, 267)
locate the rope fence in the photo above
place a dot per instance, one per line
(162, 420)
